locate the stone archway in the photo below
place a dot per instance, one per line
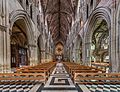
(100, 42)
(99, 14)
(21, 14)
(19, 44)
(22, 39)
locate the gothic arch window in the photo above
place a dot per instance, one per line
(31, 11)
(27, 4)
(81, 22)
(38, 19)
(91, 3)
(87, 11)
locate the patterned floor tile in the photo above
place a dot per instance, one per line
(103, 88)
(17, 86)
(59, 81)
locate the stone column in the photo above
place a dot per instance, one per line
(7, 51)
(7, 37)
(118, 36)
(83, 52)
(86, 53)
(73, 52)
(47, 50)
(112, 41)
(2, 48)
(78, 55)
(43, 55)
(36, 55)
(69, 53)
(33, 55)
(4, 38)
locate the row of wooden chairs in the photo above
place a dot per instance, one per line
(84, 78)
(101, 65)
(74, 68)
(39, 72)
(86, 74)
(45, 68)
(22, 76)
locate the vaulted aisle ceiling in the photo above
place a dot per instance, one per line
(59, 15)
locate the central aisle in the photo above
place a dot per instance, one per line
(59, 81)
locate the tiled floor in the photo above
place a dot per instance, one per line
(103, 87)
(59, 81)
(18, 86)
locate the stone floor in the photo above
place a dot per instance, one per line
(103, 87)
(59, 81)
(19, 86)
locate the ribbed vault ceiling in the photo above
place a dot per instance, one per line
(59, 15)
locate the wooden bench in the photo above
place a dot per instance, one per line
(73, 68)
(45, 68)
(22, 76)
(101, 65)
(97, 78)
(38, 67)
(29, 73)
